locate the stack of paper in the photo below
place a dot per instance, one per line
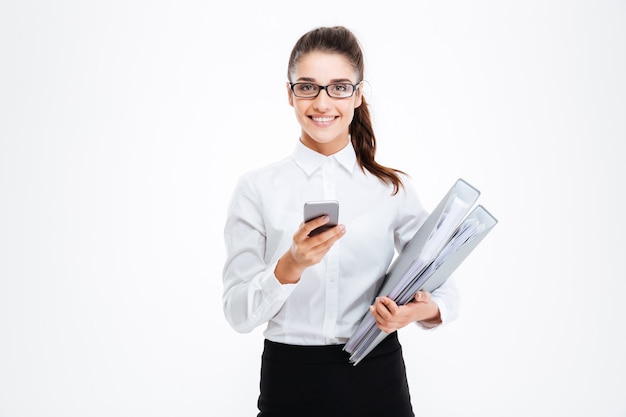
(445, 239)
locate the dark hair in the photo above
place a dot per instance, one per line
(342, 41)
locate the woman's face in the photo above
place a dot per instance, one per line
(324, 120)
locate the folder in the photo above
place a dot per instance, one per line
(449, 234)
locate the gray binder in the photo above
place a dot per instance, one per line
(449, 234)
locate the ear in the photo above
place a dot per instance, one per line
(289, 94)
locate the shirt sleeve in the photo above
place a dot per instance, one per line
(447, 298)
(252, 294)
(411, 216)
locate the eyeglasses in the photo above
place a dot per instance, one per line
(336, 90)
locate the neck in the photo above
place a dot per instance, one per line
(325, 148)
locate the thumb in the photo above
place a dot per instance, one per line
(422, 296)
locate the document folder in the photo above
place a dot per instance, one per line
(449, 234)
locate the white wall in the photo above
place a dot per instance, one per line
(125, 124)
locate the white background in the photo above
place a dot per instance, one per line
(124, 125)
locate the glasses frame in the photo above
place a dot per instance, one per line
(355, 87)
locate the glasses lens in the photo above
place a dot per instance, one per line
(340, 90)
(305, 90)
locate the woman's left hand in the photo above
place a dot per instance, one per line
(390, 316)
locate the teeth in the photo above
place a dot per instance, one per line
(323, 119)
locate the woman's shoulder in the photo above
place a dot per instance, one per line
(407, 184)
(268, 169)
(263, 176)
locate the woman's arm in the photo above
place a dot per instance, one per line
(252, 294)
(426, 309)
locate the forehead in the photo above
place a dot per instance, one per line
(324, 67)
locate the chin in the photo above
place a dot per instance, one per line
(326, 138)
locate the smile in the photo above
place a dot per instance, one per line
(322, 119)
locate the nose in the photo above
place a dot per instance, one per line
(322, 101)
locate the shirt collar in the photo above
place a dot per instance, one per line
(309, 160)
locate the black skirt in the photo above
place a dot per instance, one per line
(320, 381)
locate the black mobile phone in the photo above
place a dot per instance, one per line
(315, 209)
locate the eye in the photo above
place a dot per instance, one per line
(340, 88)
(306, 88)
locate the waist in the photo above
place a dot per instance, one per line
(283, 352)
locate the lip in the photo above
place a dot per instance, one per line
(323, 120)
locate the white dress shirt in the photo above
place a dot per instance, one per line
(328, 302)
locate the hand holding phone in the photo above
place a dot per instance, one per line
(315, 209)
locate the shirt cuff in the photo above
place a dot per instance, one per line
(443, 315)
(274, 289)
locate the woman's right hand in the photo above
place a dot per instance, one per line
(306, 251)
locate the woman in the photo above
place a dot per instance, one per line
(312, 292)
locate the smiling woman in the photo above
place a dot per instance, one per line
(325, 118)
(312, 291)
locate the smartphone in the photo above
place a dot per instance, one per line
(315, 209)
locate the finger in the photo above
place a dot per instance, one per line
(325, 240)
(374, 312)
(390, 305)
(386, 329)
(422, 296)
(313, 249)
(329, 233)
(382, 310)
(381, 323)
(313, 224)
(335, 233)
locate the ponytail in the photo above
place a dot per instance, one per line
(364, 143)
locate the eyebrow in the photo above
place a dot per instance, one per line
(334, 80)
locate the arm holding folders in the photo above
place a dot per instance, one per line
(441, 244)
